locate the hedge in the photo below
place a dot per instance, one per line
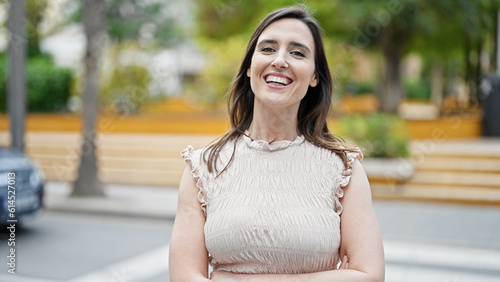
(47, 85)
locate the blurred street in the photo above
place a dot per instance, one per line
(90, 248)
(74, 241)
(440, 242)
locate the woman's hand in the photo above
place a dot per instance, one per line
(344, 264)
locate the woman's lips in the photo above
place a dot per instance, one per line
(277, 80)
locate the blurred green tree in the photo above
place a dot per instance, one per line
(438, 30)
(453, 39)
(220, 19)
(219, 69)
(126, 89)
(48, 85)
(132, 26)
(35, 12)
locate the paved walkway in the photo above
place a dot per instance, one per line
(422, 241)
(121, 200)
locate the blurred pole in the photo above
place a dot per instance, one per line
(16, 82)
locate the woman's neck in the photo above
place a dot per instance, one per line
(274, 125)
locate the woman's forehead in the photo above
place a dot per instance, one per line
(288, 30)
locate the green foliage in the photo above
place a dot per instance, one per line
(380, 135)
(418, 90)
(126, 88)
(447, 24)
(35, 12)
(220, 19)
(222, 61)
(360, 88)
(366, 88)
(47, 85)
(341, 62)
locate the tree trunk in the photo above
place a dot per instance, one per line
(496, 45)
(88, 182)
(437, 83)
(469, 77)
(16, 83)
(472, 68)
(392, 86)
(473, 98)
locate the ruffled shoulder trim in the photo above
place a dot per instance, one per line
(346, 177)
(193, 159)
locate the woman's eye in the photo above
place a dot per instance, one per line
(298, 54)
(267, 50)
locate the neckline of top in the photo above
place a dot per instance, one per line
(273, 146)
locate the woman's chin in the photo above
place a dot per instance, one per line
(278, 102)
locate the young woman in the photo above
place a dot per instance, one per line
(278, 197)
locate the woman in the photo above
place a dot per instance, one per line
(265, 202)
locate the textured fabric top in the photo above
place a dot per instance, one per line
(275, 209)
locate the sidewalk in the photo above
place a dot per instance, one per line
(120, 200)
(416, 235)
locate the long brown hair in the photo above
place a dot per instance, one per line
(313, 109)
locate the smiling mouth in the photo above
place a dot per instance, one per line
(278, 80)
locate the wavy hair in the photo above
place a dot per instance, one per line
(314, 107)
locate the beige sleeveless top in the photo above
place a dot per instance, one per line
(275, 209)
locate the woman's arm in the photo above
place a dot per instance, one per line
(188, 254)
(361, 241)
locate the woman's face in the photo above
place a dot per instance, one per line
(282, 66)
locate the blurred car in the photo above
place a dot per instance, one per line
(25, 177)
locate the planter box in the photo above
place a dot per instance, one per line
(412, 110)
(361, 104)
(388, 171)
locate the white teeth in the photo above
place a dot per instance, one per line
(277, 79)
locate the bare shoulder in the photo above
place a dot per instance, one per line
(188, 191)
(357, 197)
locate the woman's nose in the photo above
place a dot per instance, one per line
(280, 61)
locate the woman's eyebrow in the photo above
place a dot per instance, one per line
(267, 41)
(293, 43)
(300, 45)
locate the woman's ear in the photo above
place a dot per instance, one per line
(314, 80)
(248, 72)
